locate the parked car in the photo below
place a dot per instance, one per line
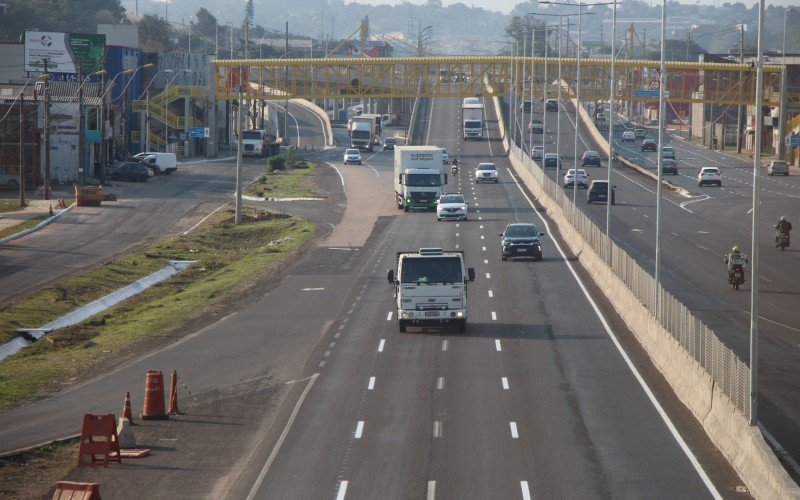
(537, 153)
(536, 127)
(166, 162)
(627, 136)
(668, 152)
(590, 158)
(9, 180)
(709, 175)
(352, 156)
(669, 166)
(583, 178)
(129, 171)
(598, 191)
(445, 156)
(778, 167)
(552, 160)
(389, 143)
(649, 145)
(451, 206)
(486, 172)
(521, 240)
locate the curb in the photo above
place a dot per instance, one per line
(36, 227)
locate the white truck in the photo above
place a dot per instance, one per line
(430, 287)
(418, 176)
(255, 142)
(362, 132)
(472, 116)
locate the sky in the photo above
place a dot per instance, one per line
(505, 6)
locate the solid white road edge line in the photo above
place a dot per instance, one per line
(649, 393)
(263, 474)
(342, 490)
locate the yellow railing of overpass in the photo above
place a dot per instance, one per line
(463, 76)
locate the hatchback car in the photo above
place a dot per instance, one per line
(389, 143)
(445, 156)
(551, 160)
(129, 171)
(598, 191)
(628, 136)
(669, 166)
(486, 172)
(536, 127)
(451, 206)
(709, 175)
(583, 178)
(668, 152)
(537, 153)
(521, 240)
(590, 158)
(649, 145)
(352, 156)
(778, 167)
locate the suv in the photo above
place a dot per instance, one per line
(389, 143)
(598, 191)
(486, 172)
(551, 105)
(709, 175)
(352, 156)
(669, 166)
(590, 158)
(649, 145)
(778, 167)
(521, 240)
(451, 206)
(537, 153)
(526, 106)
(638, 133)
(627, 136)
(668, 152)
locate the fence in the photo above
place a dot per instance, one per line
(729, 372)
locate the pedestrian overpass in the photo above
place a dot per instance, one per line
(462, 76)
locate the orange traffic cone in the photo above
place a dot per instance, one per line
(153, 407)
(51, 210)
(173, 394)
(126, 408)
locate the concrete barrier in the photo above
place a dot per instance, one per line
(323, 115)
(742, 445)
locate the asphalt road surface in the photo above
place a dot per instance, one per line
(696, 231)
(311, 392)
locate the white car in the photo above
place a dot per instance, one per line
(628, 136)
(352, 156)
(445, 156)
(451, 206)
(583, 178)
(486, 172)
(538, 153)
(709, 175)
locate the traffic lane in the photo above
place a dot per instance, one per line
(304, 128)
(86, 235)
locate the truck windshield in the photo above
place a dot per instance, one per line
(472, 124)
(423, 180)
(360, 134)
(251, 135)
(431, 270)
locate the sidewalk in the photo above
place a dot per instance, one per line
(35, 208)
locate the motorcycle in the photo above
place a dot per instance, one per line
(782, 241)
(736, 276)
(454, 170)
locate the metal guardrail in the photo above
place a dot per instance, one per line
(730, 373)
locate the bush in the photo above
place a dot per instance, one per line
(277, 162)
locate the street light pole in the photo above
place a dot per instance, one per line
(782, 115)
(22, 147)
(611, 115)
(662, 82)
(239, 114)
(46, 131)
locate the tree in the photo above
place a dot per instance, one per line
(206, 23)
(74, 16)
(154, 32)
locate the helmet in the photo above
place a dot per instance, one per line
(735, 248)
(783, 219)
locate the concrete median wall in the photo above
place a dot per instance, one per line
(326, 120)
(743, 446)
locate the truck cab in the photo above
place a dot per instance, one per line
(430, 288)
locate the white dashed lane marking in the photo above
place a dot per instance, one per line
(359, 429)
(504, 382)
(342, 490)
(381, 344)
(371, 384)
(497, 345)
(494, 316)
(514, 433)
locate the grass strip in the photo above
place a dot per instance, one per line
(229, 258)
(10, 206)
(287, 183)
(26, 224)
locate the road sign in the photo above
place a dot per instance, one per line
(654, 85)
(198, 132)
(794, 141)
(645, 93)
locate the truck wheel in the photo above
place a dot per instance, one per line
(401, 325)
(461, 325)
(405, 209)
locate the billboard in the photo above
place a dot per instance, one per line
(64, 51)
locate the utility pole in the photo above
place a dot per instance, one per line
(22, 148)
(101, 125)
(741, 85)
(239, 114)
(146, 122)
(81, 163)
(123, 124)
(46, 132)
(286, 89)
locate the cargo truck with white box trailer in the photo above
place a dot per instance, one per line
(418, 176)
(472, 118)
(430, 288)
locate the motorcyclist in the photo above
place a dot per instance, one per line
(783, 227)
(733, 259)
(454, 167)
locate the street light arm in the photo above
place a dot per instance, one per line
(133, 73)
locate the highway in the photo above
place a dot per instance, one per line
(697, 230)
(309, 390)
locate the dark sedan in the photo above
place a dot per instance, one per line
(129, 171)
(590, 158)
(669, 166)
(649, 145)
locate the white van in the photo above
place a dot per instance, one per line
(166, 162)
